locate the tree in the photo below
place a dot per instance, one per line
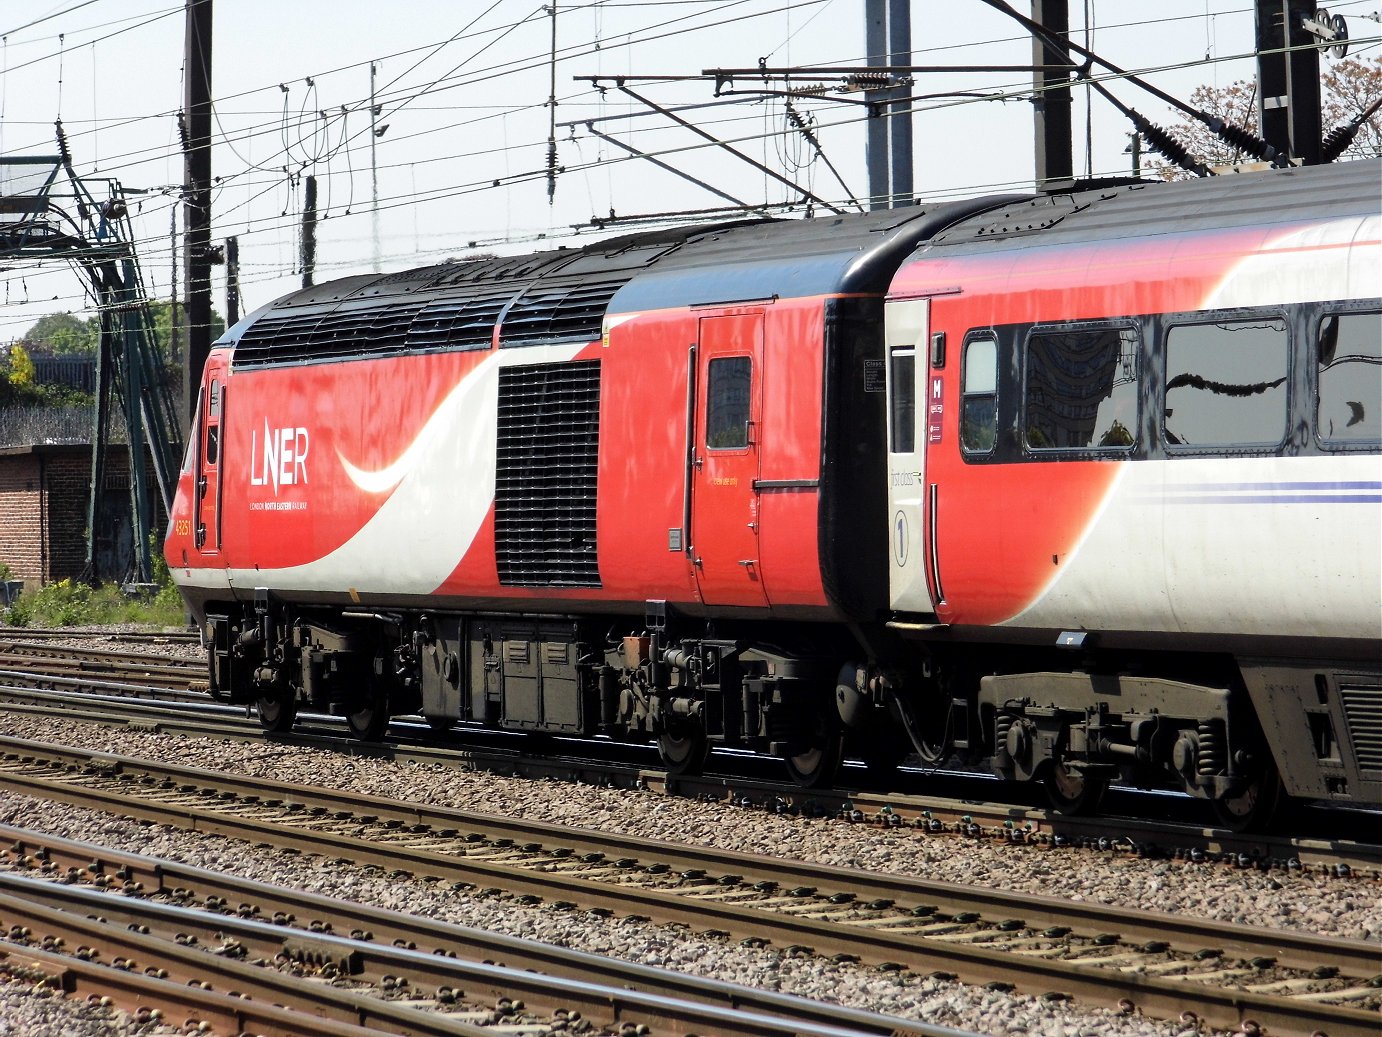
(1347, 89)
(64, 333)
(21, 368)
(162, 312)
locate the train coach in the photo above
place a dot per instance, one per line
(1084, 485)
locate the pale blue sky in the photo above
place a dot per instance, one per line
(115, 79)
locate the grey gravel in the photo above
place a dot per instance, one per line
(1302, 902)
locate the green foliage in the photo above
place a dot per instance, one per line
(64, 333)
(6, 573)
(162, 312)
(70, 603)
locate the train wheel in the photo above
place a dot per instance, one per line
(277, 712)
(813, 757)
(368, 716)
(1251, 808)
(683, 746)
(1074, 792)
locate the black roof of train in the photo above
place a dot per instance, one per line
(1256, 199)
(564, 295)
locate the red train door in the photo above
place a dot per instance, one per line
(724, 500)
(209, 460)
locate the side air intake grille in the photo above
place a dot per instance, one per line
(548, 448)
(1363, 710)
(570, 313)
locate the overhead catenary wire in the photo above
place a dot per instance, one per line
(273, 225)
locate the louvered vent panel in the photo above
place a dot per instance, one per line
(545, 478)
(1363, 709)
(570, 313)
(271, 337)
(457, 324)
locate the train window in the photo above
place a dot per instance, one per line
(979, 396)
(1081, 389)
(1226, 383)
(727, 403)
(1348, 408)
(902, 400)
(214, 399)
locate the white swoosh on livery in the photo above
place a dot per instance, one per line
(382, 480)
(442, 488)
(1335, 260)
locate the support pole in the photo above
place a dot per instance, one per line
(373, 174)
(232, 281)
(309, 232)
(876, 143)
(899, 117)
(197, 199)
(1288, 95)
(1055, 167)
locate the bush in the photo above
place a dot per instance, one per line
(72, 603)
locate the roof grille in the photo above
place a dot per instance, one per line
(368, 331)
(545, 475)
(561, 313)
(456, 323)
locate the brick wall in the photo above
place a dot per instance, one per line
(43, 502)
(21, 521)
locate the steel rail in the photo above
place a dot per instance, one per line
(971, 962)
(138, 994)
(736, 1011)
(971, 818)
(120, 657)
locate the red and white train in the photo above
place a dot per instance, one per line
(1088, 485)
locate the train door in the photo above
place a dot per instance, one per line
(209, 459)
(910, 426)
(726, 437)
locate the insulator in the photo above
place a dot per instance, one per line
(64, 152)
(1337, 140)
(1212, 758)
(1243, 140)
(1161, 140)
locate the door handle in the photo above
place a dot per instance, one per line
(748, 563)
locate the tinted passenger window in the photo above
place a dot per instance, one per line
(1349, 351)
(1081, 389)
(1226, 383)
(727, 403)
(902, 398)
(979, 396)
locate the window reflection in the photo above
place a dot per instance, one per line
(1349, 404)
(1081, 389)
(1226, 383)
(727, 403)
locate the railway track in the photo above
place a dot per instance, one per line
(350, 964)
(967, 814)
(22, 658)
(1160, 965)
